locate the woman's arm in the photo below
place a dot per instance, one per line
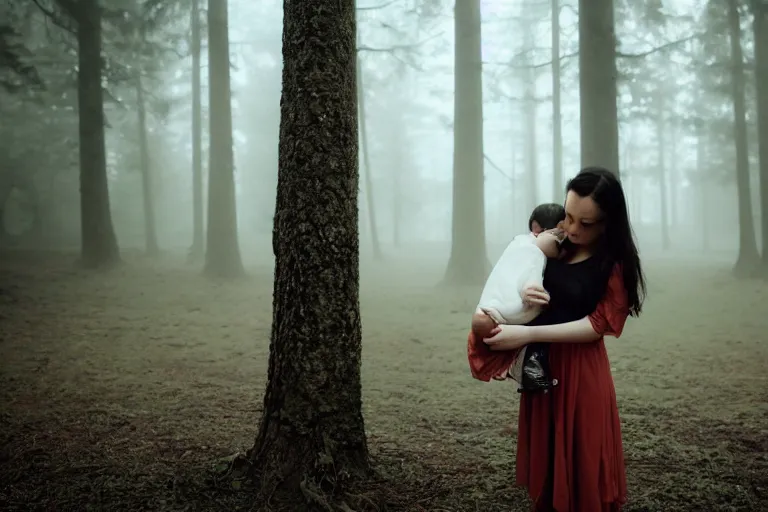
(513, 337)
(578, 331)
(607, 320)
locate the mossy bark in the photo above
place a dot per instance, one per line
(311, 441)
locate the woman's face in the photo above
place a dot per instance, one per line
(584, 222)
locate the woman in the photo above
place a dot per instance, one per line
(569, 452)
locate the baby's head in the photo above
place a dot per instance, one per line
(546, 216)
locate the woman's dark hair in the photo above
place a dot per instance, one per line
(619, 245)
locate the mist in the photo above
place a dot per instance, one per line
(141, 307)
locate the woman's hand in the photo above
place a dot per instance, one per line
(535, 296)
(508, 337)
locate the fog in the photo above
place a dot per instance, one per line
(117, 382)
(407, 72)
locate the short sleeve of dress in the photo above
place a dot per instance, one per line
(612, 311)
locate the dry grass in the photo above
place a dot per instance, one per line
(121, 391)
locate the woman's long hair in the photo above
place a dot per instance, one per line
(618, 244)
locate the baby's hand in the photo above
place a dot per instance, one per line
(535, 296)
(549, 243)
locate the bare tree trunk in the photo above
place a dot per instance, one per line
(198, 234)
(701, 145)
(530, 108)
(397, 180)
(558, 187)
(468, 263)
(99, 244)
(661, 129)
(222, 255)
(760, 29)
(150, 232)
(367, 162)
(311, 438)
(630, 176)
(748, 258)
(673, 195)
(597, 85)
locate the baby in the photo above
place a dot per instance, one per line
(522, 265)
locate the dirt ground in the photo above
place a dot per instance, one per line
(119, 391)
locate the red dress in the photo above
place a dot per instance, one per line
(569, 451)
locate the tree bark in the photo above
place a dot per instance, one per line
(661, 132)
(397, 180)
(311, 442)
(748, 259)
(529, 109)
(597, 85)
(150, 232)
(558, 187)
(673, 195)
(468, 263)
(222, 254)
(703, 182)
(760, 29)
(198, 236)
(98, 243)
(367, 163)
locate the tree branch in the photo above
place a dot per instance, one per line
(54, 18)
(497, 168)
(657, 49)
(390, 49)
(530, 66)
(375, 7)
(619, 55)
(68, 6)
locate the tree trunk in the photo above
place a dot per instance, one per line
(748, 258)
(701, 150)
(198, 236)
(661, 129)
(399, 145)
(760, 28)
(222, 255)
(367, 162)
(558, 187)
(468, 263)
(529, 106)
(311, 436)
(597, 85)
(99, 244)
(150, 233)
(673, 195)
(631, 177)
(514, 210)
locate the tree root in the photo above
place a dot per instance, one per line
(366, 491)
(292, 477)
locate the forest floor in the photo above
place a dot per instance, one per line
(117, 390)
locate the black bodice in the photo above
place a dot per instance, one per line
(575, 290)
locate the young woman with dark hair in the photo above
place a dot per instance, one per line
(569, 451)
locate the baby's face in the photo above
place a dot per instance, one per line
(549, 242)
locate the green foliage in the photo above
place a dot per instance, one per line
(693, 78)
(38, 74)
(16, 70)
